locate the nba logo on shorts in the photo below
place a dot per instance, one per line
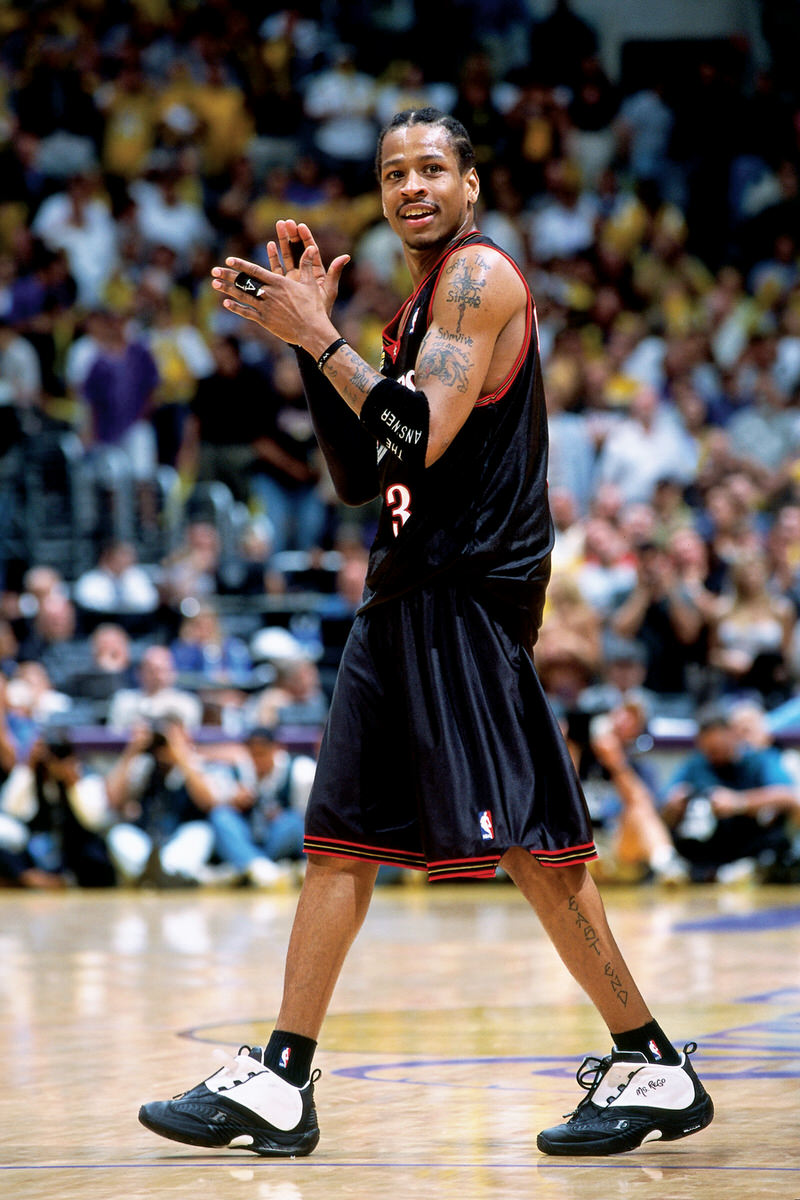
(487, 825)
(286, 1054)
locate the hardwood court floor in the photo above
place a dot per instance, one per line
(453, 1037)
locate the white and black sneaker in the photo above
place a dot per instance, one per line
(631, 1101)
(243, 1106)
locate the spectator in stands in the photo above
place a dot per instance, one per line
(339, 103)
(751, 634)
(649, 445)
(562, 224)
(286, 476)
(261, 825)
(21, 607)
(203, 648)
(20, 369)
(607, 572)
(54, 640)
(621, 793)
(33, 703)
(223, 422)
(727, 803)
(664, 617)
(117, 584)
(164, 217)
(728, 527)
(296, 697)
(642, 128)
(130, 112)
(191, 569)
(162, 796)
(118, 390)
(182, 359)
(78, 220)
(52, 818)
(110, 671)
(156, 698)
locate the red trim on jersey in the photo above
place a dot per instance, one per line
(530, 320)
(393, 331)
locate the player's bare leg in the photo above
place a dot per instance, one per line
(331, 909)
(568, 904)
(644, 1090)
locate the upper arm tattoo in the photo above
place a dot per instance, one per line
(467, 279)
(445, 357)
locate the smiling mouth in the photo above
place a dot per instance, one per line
(417, 212)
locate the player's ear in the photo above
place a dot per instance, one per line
(473, 185)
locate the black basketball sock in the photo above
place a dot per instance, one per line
(651, 1041)
(290, 1055)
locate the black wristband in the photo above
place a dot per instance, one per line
(326, 354)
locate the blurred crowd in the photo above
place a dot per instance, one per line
(176, 576)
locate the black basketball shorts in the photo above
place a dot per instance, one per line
(441, 751)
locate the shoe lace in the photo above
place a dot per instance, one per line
(589, 1075)
(236, 1068)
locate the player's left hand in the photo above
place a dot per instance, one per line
(284, 299)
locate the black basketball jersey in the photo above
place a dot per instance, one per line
(480, 512)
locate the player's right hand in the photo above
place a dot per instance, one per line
(295, 242)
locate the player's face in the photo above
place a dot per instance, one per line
(426, 198)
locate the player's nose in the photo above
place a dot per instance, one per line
(414, 184)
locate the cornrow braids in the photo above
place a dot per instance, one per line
(457, 134)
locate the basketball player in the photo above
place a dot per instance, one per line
(440, 752)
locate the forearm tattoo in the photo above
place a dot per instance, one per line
(592, 939)
(352, 377)
(466, 284)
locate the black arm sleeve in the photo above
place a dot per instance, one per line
(350, 450)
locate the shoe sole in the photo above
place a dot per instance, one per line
(260, 1144)
(696, 1118)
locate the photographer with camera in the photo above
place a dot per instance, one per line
(162, 795)
(610, 748)
(728, 804)
(52, 818)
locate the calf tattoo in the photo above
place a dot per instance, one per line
(592, 939)
(616, 984)
(590, 935)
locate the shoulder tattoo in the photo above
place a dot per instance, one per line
(467, 279)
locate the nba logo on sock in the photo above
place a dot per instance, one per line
(286, 1054)
(654, 1050)
(487, 825)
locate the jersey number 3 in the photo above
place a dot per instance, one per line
(398, 501)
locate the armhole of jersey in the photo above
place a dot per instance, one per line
(531, 328)
(531, 323)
